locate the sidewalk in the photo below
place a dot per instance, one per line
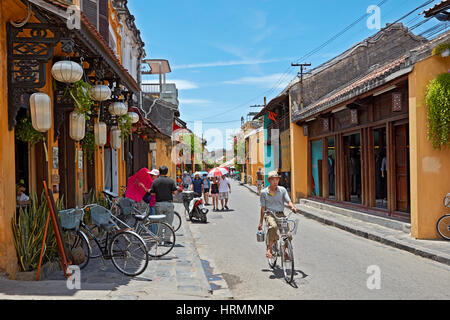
(383, 230)
(179, 275)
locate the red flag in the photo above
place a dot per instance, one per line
(273, 116)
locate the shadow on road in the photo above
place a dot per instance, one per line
(279, 274)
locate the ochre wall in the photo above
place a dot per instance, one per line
(299, 161)
(163, 155)
(430, 168)
(256, 154)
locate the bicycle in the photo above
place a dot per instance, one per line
(118, 210)
(443, 224)
(121, 246)
(283, 247)
(159, 236)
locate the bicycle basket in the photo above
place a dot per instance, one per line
(100, 215)
(125, 205)
(71, 218)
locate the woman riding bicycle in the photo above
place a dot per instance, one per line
(273, 198)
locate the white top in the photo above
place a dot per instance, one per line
(23, 197)
(223, 185)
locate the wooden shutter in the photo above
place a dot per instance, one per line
(103, 19)
(89, 8)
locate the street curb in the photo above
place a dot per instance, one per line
(197, 259)
(227, 295)
(417, 250)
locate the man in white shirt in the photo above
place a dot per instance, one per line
(224, 189)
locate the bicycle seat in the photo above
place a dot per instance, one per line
(157, 217)
(140, 217)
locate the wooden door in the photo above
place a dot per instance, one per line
(402, 167)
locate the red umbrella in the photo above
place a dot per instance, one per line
(134, 190)
(217, 172)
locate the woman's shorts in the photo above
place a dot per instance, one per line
(206, 190)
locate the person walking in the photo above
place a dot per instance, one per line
(224, 189)
(163, 189)
(186, 181)
(148, 198)
(206, 187)
(197, 184)
(215, 193)
(259, 180)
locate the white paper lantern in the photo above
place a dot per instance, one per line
(118, 109)
(100, 92)
(134, 117)
(41, 111)
(77, 126)
(116, 141)
(100, 132)
(67, 71)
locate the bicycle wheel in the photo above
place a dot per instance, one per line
(272, 261)
(287, 264)
(443, 227)
(176, 223)
(78, 247)
(159, 238)
(128, 253)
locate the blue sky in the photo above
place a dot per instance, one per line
(227, 55)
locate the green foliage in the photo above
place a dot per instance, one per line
(125, 125)
(26, 133)
(28, 232)
(438, 102)
(88, 145)
(81, 95)
(441, 48)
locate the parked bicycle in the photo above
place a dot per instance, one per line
(125, 248)
(113, 204)
(443, 224)
(283, 247)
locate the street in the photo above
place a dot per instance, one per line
(329, 263)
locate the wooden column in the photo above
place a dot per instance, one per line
(310, 179)
(390, 159)
(371, 169)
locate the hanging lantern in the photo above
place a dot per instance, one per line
(67, 71)
(41, 111)
(100, 92)
(116, 141)
(134, 117)
(100, 133)
(118, 109)
(77, 126)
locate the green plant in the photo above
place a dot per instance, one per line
(28, 232)
(125, 125)
(88, 145)
(81, 94)
(438, 101)
(26, 133)
(441, 48)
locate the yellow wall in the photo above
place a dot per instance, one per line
(256, 154)
(299, 161)
(163, 155)
(430, 169)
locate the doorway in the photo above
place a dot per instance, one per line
(316, 154)
(352, 168)
(380, 167)
(331, 157)
(401, 134)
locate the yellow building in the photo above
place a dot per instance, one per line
(363, 144)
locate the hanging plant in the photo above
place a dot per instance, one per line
(88, 145)
(125, 125)
(81, 94)
(438, 102)
(26, 133)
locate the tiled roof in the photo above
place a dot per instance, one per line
(438, 7)
(367, 82)
(99, 37)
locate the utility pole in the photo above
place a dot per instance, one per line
(300, 75)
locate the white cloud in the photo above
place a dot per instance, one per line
(181, 84)
(195, 101)
(227, 63)
(279, 80)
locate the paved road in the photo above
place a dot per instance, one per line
(330, 263)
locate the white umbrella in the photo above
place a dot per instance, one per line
(217, 172)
